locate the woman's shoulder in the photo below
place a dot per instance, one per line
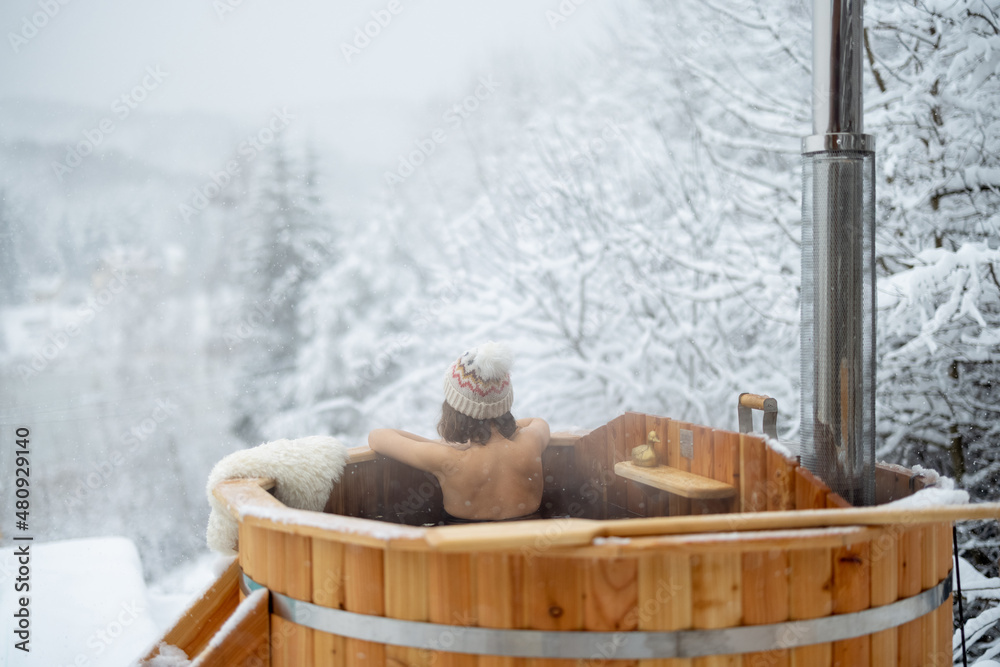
(534, 427)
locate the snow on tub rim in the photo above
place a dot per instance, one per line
(623, 570)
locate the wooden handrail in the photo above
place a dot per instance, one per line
(566, 438)
(360, 454)
(579, 532)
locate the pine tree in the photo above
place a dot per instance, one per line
(285, 244)
(11, 288)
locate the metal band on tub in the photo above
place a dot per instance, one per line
(584, 644)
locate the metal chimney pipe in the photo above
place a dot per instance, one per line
(838, 268)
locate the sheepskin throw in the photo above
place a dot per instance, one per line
(304, 472)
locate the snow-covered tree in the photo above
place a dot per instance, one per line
(936, 70)
(935, 108)
(11, 286)
(283, 247)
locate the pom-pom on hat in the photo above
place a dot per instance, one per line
(478, 383)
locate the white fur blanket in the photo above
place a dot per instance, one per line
(304, 472)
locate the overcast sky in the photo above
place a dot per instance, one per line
(263, 53)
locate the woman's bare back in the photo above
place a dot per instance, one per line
(499, 480)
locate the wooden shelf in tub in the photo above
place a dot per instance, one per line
(673, 480)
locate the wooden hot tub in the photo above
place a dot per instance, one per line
(730, 553)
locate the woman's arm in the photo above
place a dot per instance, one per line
(537, 429)
(408, 448)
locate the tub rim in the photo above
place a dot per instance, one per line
(250, 504)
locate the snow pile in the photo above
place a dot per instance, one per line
(779, 447)
(939, 491)
(933, 477)
(88, 604)
(975, 584)
(169, 656)
(932, 496)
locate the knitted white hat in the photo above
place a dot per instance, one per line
(478, 383)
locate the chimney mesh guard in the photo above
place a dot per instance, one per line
(838, 321)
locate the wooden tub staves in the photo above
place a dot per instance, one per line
(766, 567)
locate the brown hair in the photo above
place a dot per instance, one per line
(457, 427)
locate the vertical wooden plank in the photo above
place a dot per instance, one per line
(253, 551)
(911, 652)
(451, 602)
(561, 494)
(638, 496)
(617, 489)
(553, 598)
(811, 576)
(851, 592)
(364, 592)
(929, 579)
(716, 584)
(593, 460)
(945, 612)
(364, 497)
(284, 635)
(660, 504)
(659, 425)
(810, 491)
(678, 506)
(328, 591)
(892, 482)
(664, 598)
(611, 600)
(765, 600)
(753, 474)
(780, 481)
(411, 496)
(726, 462)
(350, 481)
(499, 582)
(335, 503)
(903, 486)
(810, 584)
(703, 464)
(406, 594)
(884, 557)
(835, 501)
(253, 555)
(290, 573)
(946, 615)
(936, 563)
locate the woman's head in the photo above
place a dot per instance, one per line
(477, 386)
(457, 427)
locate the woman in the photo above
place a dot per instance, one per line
(489, 465)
